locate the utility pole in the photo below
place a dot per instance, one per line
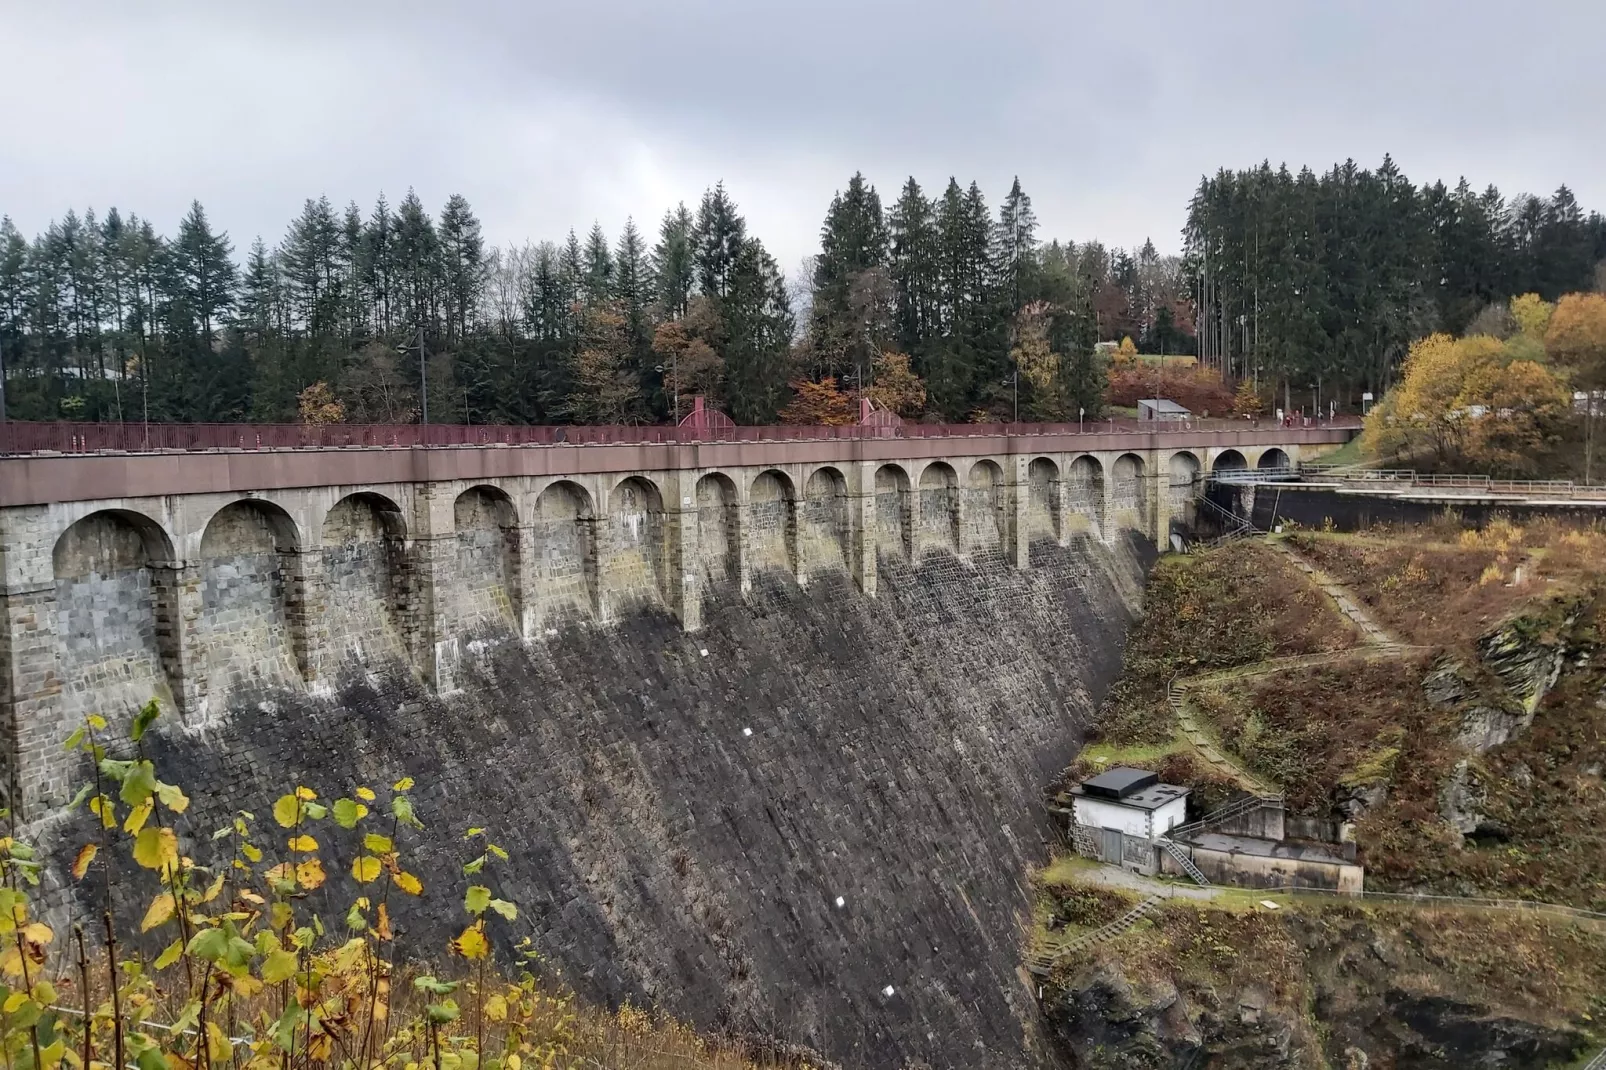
(2, 385)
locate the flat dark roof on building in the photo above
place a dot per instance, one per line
(1119, 782)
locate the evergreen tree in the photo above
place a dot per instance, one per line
(718, 237)
(912, 231)
(1016, 245)
(596, 283)
(674, 263)
(205, 269)
(462, 253)
(758, 321)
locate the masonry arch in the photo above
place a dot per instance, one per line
(719, 528)
(251, 630)
(985, 511)
(563, 548)
(1043, 499)
(772, 522)
(117, 613)
(894, 521)
(1086, 492)
(634, 569)
(1129, 485)
(1182, 477)
(937, 526)
(1274, 459)
(366, 576)
(1229, 461)
(826, 530)
(488, 588)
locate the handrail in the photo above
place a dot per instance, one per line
(1457, 480)
(29, 437)
(1425, 899)
(1226, 812)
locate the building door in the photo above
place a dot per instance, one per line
(1110, 846)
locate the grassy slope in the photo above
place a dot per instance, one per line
(1230, 607)
(1328, 732)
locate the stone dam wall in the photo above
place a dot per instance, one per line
(898, 749)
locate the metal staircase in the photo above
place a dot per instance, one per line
(1043, 962)
(1175, 850)
(1226, 812)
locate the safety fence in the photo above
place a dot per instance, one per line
(28, 437)
(1406, 478)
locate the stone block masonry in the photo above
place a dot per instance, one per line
(212, 575)
(684, 810)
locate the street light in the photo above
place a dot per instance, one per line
(674, 378)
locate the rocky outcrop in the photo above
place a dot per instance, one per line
(1350, 983)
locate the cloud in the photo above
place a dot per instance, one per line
(549, 116)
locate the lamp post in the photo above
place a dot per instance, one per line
(674, 377)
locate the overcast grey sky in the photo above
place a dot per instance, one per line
(549, 114)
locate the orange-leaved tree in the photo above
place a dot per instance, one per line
(896, 387)
(1472, 403)
(318, 405)
(818, 403)
(1576, 340)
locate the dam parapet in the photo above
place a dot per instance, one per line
(194, 576)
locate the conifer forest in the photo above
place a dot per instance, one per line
(931, 300)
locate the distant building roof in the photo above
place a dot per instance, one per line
(1163, 405)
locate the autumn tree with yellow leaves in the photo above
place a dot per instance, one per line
(1472, 403)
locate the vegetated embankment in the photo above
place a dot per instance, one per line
(810, 821)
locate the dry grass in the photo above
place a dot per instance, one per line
(1324, 734)
(1235, 606)
(1444, 586)
(1317, 730)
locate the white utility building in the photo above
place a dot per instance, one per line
(1125, 810)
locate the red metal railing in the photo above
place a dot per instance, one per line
(23, 437)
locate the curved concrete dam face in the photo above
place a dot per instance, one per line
(811, 819)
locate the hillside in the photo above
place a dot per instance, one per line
(1459, 740)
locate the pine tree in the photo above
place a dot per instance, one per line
(417, 260)
(718, 238)
(596, 282)
(674, 263)
(205, 269)
(462, 266)
(914, 271)
(758, 321)
(1016, 248)
(848, 304)
(376, 265)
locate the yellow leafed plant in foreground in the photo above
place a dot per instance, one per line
(249, 977)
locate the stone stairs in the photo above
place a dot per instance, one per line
(1175, 850)
(1043, 962)
(1372, 633)
(1201, 740)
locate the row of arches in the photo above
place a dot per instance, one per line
(261, 604)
